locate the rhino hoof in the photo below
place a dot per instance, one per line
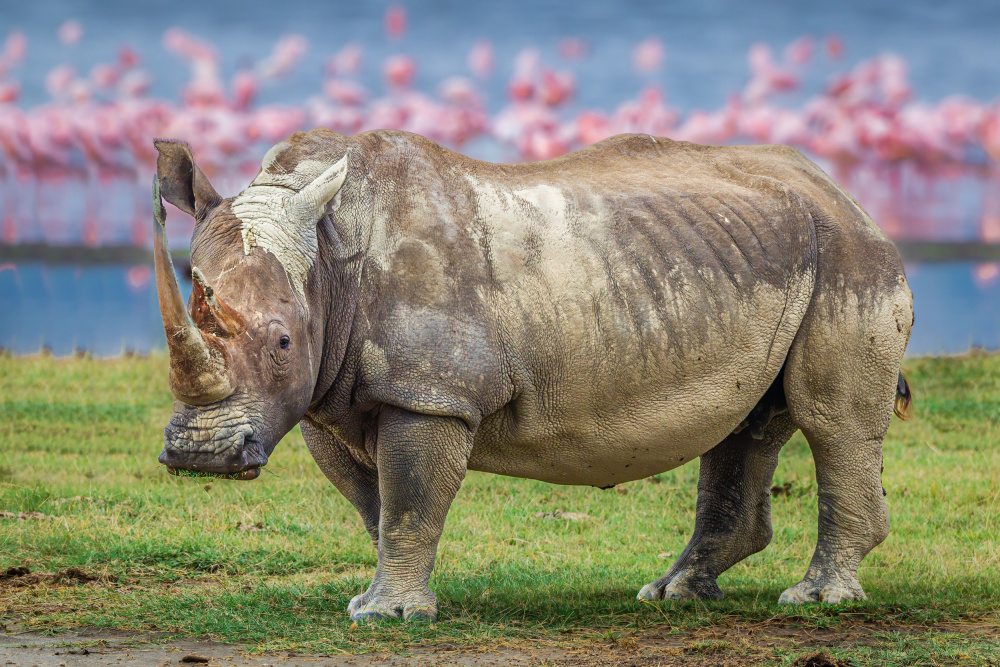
(420, 612)
(705, 590)
(373, 610)
(806, 593)
(364, 612)
(354, 604)
(649, 593)
(682, 588)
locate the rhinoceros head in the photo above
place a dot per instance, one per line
(244, 351)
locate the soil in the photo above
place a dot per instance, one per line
(22, 577)
(736, 646)
(715, 646)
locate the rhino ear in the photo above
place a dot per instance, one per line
(182, 183)
(313, 201)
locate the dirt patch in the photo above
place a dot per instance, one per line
(22, 577)
(819, 660)
(23, 516)
(717, 646)
(566, 516)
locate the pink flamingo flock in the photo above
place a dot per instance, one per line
(98, 126)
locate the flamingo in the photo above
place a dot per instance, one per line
(346, 62)
(480, 59)
(399, 71)
(800, 51)
(395, 22)
(572, 48)
(647, 56)
(287, 52)
(70, 32)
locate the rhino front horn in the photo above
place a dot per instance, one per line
(198, 361)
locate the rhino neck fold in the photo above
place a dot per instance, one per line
(338, 272)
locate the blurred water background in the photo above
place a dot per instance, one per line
(897, 101)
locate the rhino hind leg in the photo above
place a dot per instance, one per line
(422, 461)
(733, 517)
(840, 382)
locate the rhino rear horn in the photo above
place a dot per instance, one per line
(209, 312)
(182, 183)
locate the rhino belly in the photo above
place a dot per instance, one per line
(616, 444)
(638, 330)
(598, 421)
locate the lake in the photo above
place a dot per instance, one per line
(108, 310)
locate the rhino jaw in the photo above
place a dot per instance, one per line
(242, 476)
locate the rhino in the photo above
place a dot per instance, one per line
(592, 319)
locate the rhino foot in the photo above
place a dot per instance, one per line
(682, 586)
(829, 590)
(379, 607)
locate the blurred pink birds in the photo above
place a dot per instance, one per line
(70, 32)
(399, 71)
(480, 60)
(395, 21)
(98, 124)
(647, 56)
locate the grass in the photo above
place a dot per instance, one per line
(272, 564)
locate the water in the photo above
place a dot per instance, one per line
(105, 310)
(108, 310)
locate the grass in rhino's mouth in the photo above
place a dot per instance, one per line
(243, 475)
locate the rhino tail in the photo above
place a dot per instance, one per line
(904, 398)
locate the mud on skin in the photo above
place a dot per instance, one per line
(593, 319)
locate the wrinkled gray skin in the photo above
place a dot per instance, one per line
(593, 319)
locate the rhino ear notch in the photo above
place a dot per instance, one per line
(182, 183)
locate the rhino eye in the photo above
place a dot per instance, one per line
(284, 342)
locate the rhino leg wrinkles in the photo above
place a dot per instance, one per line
(840, 382)
(733, 517)
(421, 464)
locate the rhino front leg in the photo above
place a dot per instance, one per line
(733, 518)
(422, 461)
(356, 481)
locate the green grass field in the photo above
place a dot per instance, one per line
(272, 563)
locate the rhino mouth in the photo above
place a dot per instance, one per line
(243, 462)
(243, 475)
(219, 441)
